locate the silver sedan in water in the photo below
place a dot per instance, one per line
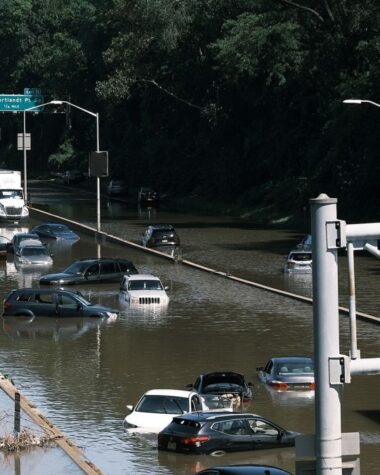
(288, 373)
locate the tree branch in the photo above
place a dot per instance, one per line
(152, 81)
(302, 7)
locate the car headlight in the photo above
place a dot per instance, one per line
(134, 300)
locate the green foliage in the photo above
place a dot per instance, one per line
(213, 98)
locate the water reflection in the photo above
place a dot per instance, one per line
(55, 329)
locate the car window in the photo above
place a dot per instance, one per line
(232, 427)
(126, 266)
(67, 300)
(295, 368)
(76, 268)
(25, 297)
(42, 297)
(261, 427)
(108, 268)
(93, 270)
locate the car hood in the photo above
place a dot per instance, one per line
(36, 260)
(59, 277)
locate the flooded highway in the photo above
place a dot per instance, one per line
(82, 373)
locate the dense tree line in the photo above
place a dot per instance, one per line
(231, 101)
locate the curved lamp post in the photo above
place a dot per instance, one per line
(93, 114)
(96, 115)
(360, 101)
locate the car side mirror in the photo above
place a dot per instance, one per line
(129, 407)
(260, 368)
(189, 386)
(280, 435)
(166, 287)
(79, 306)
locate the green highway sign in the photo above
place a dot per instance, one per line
(19, 102)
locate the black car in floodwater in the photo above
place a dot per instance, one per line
(89, 271)
(223, 382)
(218, 433)
(36, 302)
(243, 469)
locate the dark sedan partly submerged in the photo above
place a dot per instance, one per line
(243, 469)
(89, 271)
(216, 433)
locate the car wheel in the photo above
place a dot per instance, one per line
(217, 453)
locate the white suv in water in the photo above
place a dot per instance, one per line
(143, 289)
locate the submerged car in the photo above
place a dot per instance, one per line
(243, 469)
(143, 289)
(89, 271)
(55, 231)
(160, 235)
(288, 373)
(217, 433)
(32, 252)
(19, 237)
(116, 188)
(299, 261)
(157, 407)
(147, 196)
(228, 383)
(36, 302)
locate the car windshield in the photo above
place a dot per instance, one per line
(144, 285)
(33, 251)
(163, 404)
(294, 368)
(60, 228)
(81, 299)
(10, 194)
(76, 268)
(300, 256)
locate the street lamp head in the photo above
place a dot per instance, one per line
(352, 101)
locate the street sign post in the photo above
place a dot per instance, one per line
(19, 102)
(20, 142)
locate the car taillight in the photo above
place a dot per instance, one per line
(312, 385)
(7, 304)
(279, 385)
(195, 440)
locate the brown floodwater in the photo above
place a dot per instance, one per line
(82, 374)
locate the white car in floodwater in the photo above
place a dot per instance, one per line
(157, 407)
(143, 289)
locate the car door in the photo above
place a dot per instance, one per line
(235, 435)
(68, 306)
(92, 273)
(44, 304)
(109, 272)
(264, 434)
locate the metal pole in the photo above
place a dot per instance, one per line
(352, 303)
(97, 178)
(24, 150)
(328, 441)
(17, 424)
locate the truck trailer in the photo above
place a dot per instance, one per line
(13, 209)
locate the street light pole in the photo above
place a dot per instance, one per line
(96, 115)
(24, 145)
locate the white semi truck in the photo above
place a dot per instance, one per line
(13, 209)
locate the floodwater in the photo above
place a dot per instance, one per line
(81, 375)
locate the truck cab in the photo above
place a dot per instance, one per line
(13, 208)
